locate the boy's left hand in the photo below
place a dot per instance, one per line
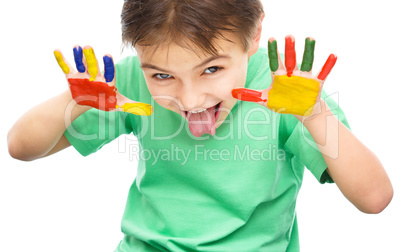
(293, 90)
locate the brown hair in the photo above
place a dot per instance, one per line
(188, 23)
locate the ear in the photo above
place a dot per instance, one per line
(255, 43)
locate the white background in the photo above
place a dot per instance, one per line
(70, 203)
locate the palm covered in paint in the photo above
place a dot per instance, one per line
(293, 90)
(90, 88)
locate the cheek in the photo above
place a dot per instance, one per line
(234, 78)
(239, 73)
(163, 95)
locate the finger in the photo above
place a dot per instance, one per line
(308, 56)
(326, 69)
(137, 108)
(78, 56)
(250, 95)
(125, 104)
(92, 63)
(109, 68)
(61, 61)
(273, 54)
(290, 54)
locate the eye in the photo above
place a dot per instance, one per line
(162, 76)
(212, 70)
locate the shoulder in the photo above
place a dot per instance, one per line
(258, 72)
(129, 77)
(259, 58)
(128, 63)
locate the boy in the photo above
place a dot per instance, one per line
(233, 169)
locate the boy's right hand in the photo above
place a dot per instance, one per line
(89, 87)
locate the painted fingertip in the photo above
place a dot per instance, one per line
(92, 63)
(60, 61)
(326, 69)
(109, 68)
(273, 55)
(138, 108)
(78, 59)
(290, 54)
(249, 95)
(308, 56)
(310, 39)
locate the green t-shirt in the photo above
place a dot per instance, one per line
(235, 191)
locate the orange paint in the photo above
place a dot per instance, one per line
(326, 69)
(95, 94)
(290, 55)
(245, 94)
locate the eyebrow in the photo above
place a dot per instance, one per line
(203, 63)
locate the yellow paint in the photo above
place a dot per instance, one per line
(92, 63)
(139, 108)
(61, 62)
(293, 95)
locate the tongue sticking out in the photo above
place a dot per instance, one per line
(202, 123)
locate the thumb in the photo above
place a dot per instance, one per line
(251, 95)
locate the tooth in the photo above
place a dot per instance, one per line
(199, 111)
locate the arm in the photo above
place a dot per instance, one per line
(354, 168)
(39, 132)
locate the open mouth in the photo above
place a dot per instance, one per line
(216, 111)
(203, 121)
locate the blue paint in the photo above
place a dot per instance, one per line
(109, 68)
(78, 59)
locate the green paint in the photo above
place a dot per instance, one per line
(273, 55)
(308, 57)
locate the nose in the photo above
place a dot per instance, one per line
(191, 96)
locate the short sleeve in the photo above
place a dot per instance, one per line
(297, 140)
(95, 128)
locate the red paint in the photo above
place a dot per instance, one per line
(326, 69)
(245, 94)
(290, 55)
(96, 94)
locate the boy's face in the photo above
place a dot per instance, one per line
(197, 87)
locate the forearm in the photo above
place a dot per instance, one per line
(354, 168)
(40, 129)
